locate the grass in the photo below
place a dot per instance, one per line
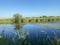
(27, 40)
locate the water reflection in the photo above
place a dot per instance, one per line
(17, 26)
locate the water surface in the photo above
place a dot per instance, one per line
(43, 30)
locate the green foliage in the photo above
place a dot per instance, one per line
(6, 21)
(16, 18)
(23, 40)
(17, 21)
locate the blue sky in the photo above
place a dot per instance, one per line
(29, 8)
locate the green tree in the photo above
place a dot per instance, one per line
(17, 18)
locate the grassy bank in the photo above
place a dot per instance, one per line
(31, 20)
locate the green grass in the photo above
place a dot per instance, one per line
(33, 20)
(22, 40)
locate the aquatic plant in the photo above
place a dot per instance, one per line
(26, 39)
(58, 42)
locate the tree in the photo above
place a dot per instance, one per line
(16, 19)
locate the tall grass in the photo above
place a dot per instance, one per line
(26, 39)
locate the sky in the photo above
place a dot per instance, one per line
(29, 8)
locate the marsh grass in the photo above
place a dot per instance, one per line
(27, 40)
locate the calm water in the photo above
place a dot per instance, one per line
(42, 30)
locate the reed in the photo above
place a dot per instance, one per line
(26, 39)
